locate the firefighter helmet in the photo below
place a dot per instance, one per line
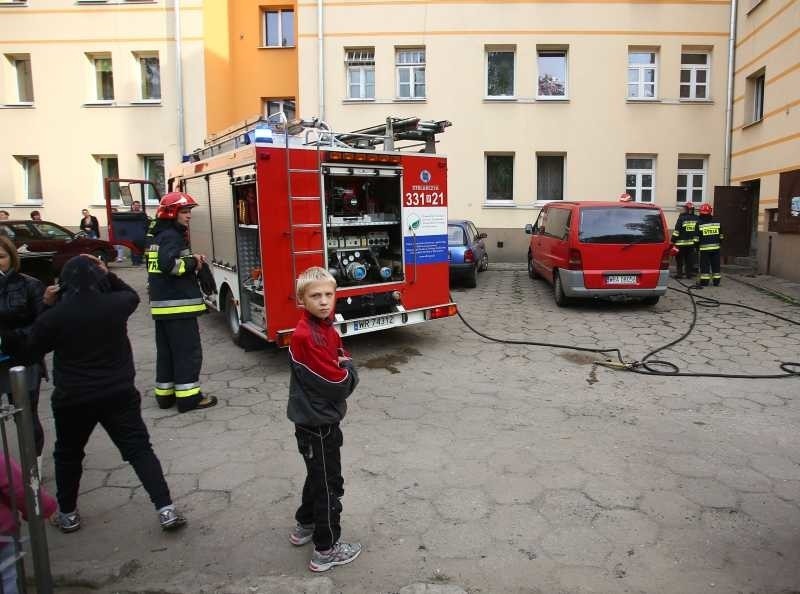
(689, 206)
(171, 203)
(705, 209)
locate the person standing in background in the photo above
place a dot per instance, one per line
(4, 216)
(36, 215)
(89, 225)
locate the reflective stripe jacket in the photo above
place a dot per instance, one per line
(709, 234)
(171, 274)
(685, 230)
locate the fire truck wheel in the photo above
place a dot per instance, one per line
(238, 335)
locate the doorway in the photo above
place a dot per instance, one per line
(754, 188)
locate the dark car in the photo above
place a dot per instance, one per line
(47, 237)
(466, 251)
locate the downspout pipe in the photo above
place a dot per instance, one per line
(726, 171)
(321, 59)
(179, 79)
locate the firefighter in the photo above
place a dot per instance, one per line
(175, 303)
(709, 241)
(684, 238)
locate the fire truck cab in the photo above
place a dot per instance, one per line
(277, 197)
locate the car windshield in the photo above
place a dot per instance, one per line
(455, 235)
(620, 225)
(52, 231)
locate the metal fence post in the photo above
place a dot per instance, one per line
(30, 475)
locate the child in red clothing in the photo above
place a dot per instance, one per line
(9, 522)
(322, 377)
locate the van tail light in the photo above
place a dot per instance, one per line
(575, 260)
(469, 257)
(665, 258)
(442, 311)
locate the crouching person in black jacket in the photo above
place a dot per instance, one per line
(93, 377)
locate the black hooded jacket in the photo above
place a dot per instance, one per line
(20, 304)
(87, 330)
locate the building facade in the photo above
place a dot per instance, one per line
(90, 89)
(549, 100)
(250, 60)
(765, 154)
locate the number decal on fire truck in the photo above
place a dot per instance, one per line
(424, 199)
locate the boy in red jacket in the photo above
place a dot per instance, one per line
(322, 377)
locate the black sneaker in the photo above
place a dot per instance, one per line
(169, 519)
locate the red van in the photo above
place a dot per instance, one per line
(601, 249)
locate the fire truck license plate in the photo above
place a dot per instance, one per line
(621, 279)
(376, 322)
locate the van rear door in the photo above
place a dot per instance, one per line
(621, 246)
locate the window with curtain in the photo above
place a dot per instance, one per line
(104, 78)
(499, 178)
(149, 76)
(549, 177)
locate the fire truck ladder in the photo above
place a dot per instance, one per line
(293, 226)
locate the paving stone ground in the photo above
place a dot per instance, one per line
(476, 466)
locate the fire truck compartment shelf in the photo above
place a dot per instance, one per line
(248, 226)
(364, 224)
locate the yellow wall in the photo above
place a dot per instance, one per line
(240, 72)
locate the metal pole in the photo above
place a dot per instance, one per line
(179, 77)
(321, 58)
(726, 164)
(30, 476)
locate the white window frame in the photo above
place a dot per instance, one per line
(15, 60)
(95, 83)
(756, 90)
(146, 160)
(690, 175)
(359, 62)
(565, 53)
(693, 69)
(25, 162)
(100, 159)
(265, 40)
(280, 105)
(498, 201)
(641, 69)
(638, 186)
(413, 68)
(140, 57)
(501, 50)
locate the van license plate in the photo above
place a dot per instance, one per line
(376, 322)
(621, 279)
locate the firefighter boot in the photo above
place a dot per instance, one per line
(165, 401)
(198, 401)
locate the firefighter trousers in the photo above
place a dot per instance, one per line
(710, 267)
(684, 261)
(179, 357)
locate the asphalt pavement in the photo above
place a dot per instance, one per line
(475, 466)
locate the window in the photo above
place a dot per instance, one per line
(694, 75)
(279, 28)
(499, 178)
(273, 106)
(549, 177)
(109, 167)
(31, 178)
(642, 75)
(21, 63)
(640, 177)
(360, 73)
(558, 220)
(552, 66)
(500, 73)
(149, 76)
(455, 235)
(52, 231)
(691, 179)
(410, 64)
(754, 96)
(154, 171)
(103, 77)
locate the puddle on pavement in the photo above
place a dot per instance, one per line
(390, 361)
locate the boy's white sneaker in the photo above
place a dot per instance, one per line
(341, 553)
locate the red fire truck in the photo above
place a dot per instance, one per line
(370, 206)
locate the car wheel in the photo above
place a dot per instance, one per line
(651, 300)
(471, 280)
(484, 263)
(558, 291)
(531, 269)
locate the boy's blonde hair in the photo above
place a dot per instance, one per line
(312, 275)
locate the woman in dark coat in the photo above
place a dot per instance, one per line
(89, 225)
(20, 303)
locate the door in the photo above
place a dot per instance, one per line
(733, 208)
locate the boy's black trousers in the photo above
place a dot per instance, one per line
(324, 487)
(121, 417)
